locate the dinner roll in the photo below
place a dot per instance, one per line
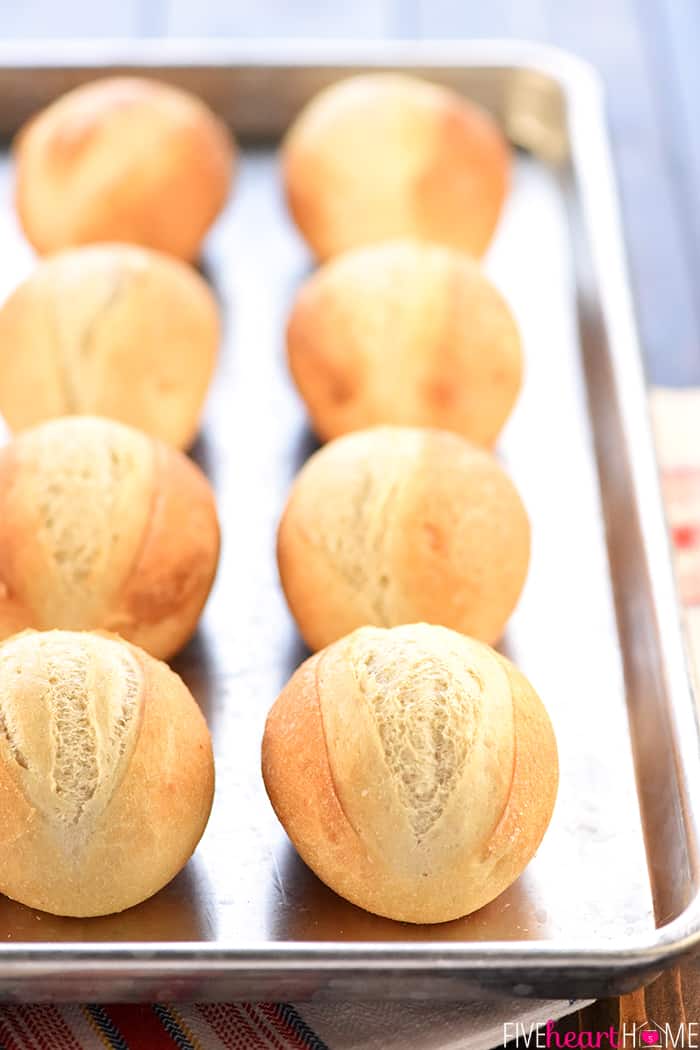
(123, 159)
(414, 769)
(106, 773)
(398, 524)
(110, 330)
(404, 332)
(104, 527)
(388, 155)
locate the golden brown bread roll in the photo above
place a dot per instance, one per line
(399, 524)
(106, 773)
(404, 332)
(414, 769)
(123, 159)
(103, 527)
(110, 330)
(387, 155)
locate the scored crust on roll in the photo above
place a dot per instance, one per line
(111, 330)
(103, 527)
(106, 773)
(414, 769)
(123, 159)
(387, 155)
(395, 525)
(408, 316)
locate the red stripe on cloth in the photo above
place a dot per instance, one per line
(139, 1027)
(37, 1032)
(47, 1023)
(283, 1027)
(231, 1026)
(686, 537)
(681, 488)
(7, 1033)
(268, 1032)
(21, 1035)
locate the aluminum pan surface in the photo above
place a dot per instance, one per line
(246, 891)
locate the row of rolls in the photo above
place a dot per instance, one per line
(413, 766)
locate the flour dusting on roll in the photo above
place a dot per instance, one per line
(394, 525)
(414, 769)
(109, 330)
(106, 772)
(103, 527)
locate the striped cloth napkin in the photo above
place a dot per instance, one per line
(371, 1026)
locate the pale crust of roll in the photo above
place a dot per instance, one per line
(404, 333)
(415, 770)
(387, 155)
(106, 773)
(396, 525)
(123, 159)
(102, 527)
(110, 330)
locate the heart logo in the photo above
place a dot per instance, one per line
(649, 1037)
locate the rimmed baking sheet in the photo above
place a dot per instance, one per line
(596, 631)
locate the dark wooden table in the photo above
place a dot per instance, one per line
(649, 54)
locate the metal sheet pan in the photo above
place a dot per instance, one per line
(612, 894)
